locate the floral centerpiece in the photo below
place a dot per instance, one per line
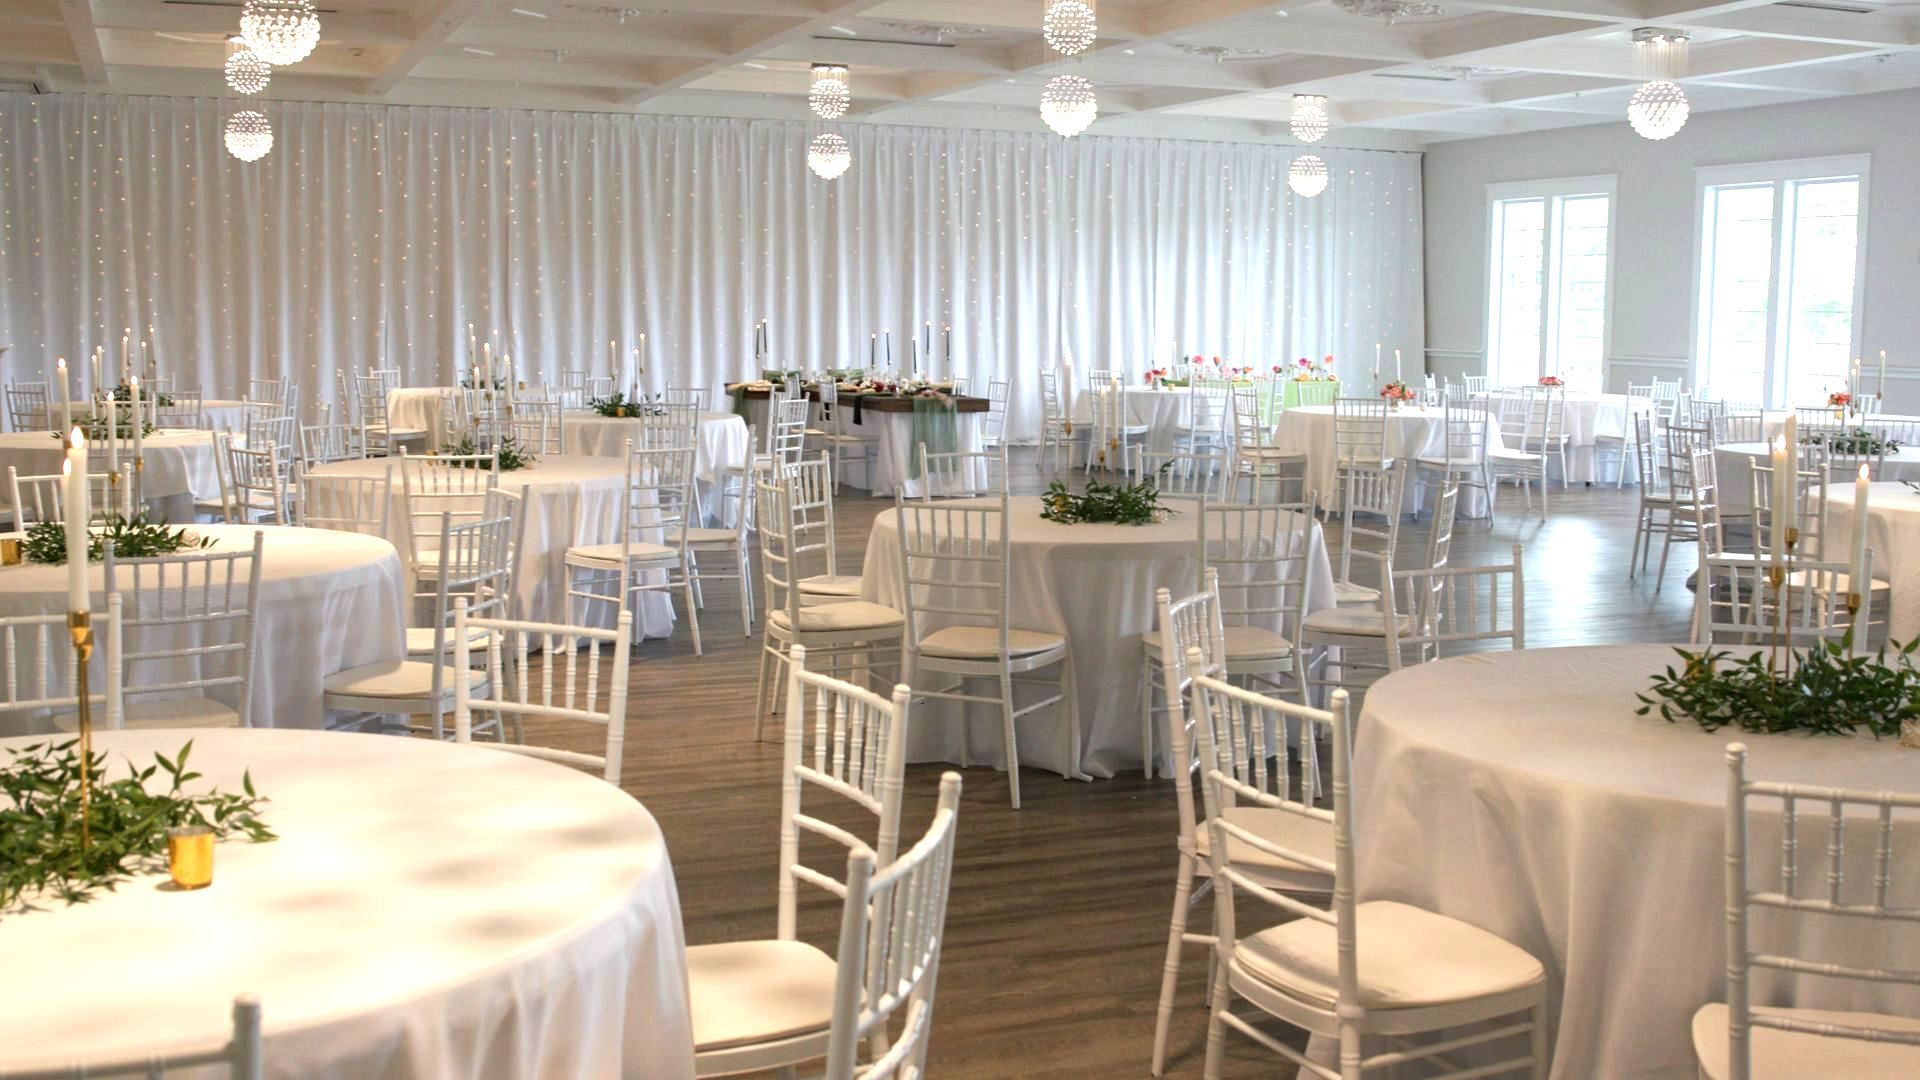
(1551, 380)
(1825, 690)
(1841, 403)
(1113, 504)
(617, 405)
(508, 453)
(1397, 392)
(1156, 375)
(96, 427)
(135, 538)
(1305, 371)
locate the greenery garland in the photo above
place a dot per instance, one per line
(1827, 691)
(1116, 504)
(95, 427)
(511, 456)
(617, 405)
(138, 538)
(127, 824)
(123, 392)
(1857, 442)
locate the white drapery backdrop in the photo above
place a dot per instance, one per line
(373, 235)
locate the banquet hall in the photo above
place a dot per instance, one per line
(959, 538)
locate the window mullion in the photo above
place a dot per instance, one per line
(1776, 364)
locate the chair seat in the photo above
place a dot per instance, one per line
(1346, 592)
(1408, 958)
(712, 536)
(748, 992)
(173, 712)
(1791, 1055)
(983, 642)
(1291, 831)
(830, 585)
(1271, 453)
(1507, 453)
(846, 615)
(1355, 622)
(397, 679)
(1256, 643)
(610, 554)
(420, 639)
(1444, 462)
(844, 437)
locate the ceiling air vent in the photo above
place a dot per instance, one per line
(1819, 5)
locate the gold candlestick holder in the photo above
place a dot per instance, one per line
(80, 629)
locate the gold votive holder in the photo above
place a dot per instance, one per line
(9, 553)
(190, 856)
(1910, 734)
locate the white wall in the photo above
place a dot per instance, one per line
(1655, 232)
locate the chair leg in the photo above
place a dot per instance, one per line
(746, 594)
(760, 703)
(1007, 735)
(1145, 683)
(1539, 1041)
(1071, 701)
(1216, 1028)
(687, 586)
(1170, 968)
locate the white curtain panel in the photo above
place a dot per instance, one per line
(373, 235)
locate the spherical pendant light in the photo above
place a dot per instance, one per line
(1067, 104)
(1658, 110)
(1307, 176)
(830, 94)
(828, 155)
(1310, 122)
(1069, 26)
(246, 72)
(249, 135)
(282, 31)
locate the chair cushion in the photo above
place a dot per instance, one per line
(1408, 958)
(1355, 621)
(830, 585)
(1505, 453)
(396, 679)
(1256, 643)
(845, 615)
(172, 712)
(1780, 1055)
(712, 536)
(609, 554)
(983, 642)
(420, 639)
(1346, 592)
(1291, 831)
(746, 992)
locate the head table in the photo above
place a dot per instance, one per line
(328, 601)
(1519, 792)
(429, 910)
(1094, 583)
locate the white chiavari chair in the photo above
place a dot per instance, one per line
(282, 434)
(44, 498)
(652, 553)
(440, 484)
(1532, 436)
(1256, 459)
(537, 426)
(768, 1003)
(322, 444)
(28, 408)
(377, 432)
(1056, 431)
(1736, 602)
(1261, 554)
(1666, 397)
(472, 561)
(993, 428)
(961, 474)
(1190, 622)
(1352, 970)
(571, 652)
(836, 627)
(1118, 440)
(186, 637)
(955, 572)
(273, 390)
(729, 541)
(1692, 505)
(1770, 925)
(1476, 384)
(355, 504)
(1820, 418)
(219, 507)
(961, 385)
(1464, 463)
(260, 492)
(33, 647)
(1740, 428)
(1189, 477)
(1209, 420)
(837, 437)
(1656, 499)
(243, 1055)
(694, 397)
(1379, 492)
(892, 925)
(180, 409)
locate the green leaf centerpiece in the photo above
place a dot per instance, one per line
(1113, 504)
(135, 538)
(1826, 691)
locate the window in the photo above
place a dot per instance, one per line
(1547, 280)
(1777, 279)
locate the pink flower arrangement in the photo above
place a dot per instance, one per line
(1840, 399)
(1551, 380)
(1156, 375)
(1397, 391)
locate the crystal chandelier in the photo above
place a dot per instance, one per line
(1390, 10)
(828, 155)
(1659, 107)
(282, 32)
(1067, 104)
(830, 94)
(1069, 26)
(246, 72)
(1307, 176)
(1310, 122)
(249, 136)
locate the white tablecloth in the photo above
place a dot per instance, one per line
(1733, 470)
(429, 911)
(1519, 792)
(328, 601)
(1893, 532)
(575, 500)
(1591, 417)
(1165, 413)
(722, 443)
(1776, 419)
(179, 466)
(225, 415)
(418, 407)
(1411, 432)
(1095, 583)
(893, 454)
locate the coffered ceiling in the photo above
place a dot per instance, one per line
(1208, 69)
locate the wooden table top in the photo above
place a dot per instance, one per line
(869, 402)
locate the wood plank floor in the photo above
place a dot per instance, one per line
(1058, 917)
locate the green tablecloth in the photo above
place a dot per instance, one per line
(936, 426)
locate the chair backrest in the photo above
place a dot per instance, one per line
(438, 484)
(1360, 430)
(1188, 477)
(1737, 603)
(787, 439)
(243, 1054)
(180, 409)
(694, 397)
(274, 390)
(804, 518)
(847, 743)
(660, 499)
(1367, 488)
(1649, 455)
(44, 498)
(209, 596)
(536, 425)
(355, 504)
(1810, 906)
(1192, 642)
(1741, 428)
(1259, 554)
(954, 566)
(993, 430)
(1316, 392)
(324, 443)
(1466, 427)
(892, 925)
(1455, 605)
(279, 432)
(1250, 431)
(27, 406)
(1476, 384)
(1052, 410)
(33, 646)
(1819, 418)
(962, 474)
(1665, 389)
(1546, 414)
(1811, 507)
(565, 651)
(259, 484)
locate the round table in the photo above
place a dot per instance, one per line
(1776, 420)
(1519, 792)
(1094, 583)
(225, 415)
(1166, 413)
(1588, 418)
(418, 408)
(722, 442)
(574, 500)
(1733, 471)
(1412, 431)
(180, 466)
(328, 601)
(1893, 532)
(430, 910)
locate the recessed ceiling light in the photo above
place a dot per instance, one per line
(844, 30)
(1129, 52)
(756, 67)
(1282, 13)
(476, 52)
(528, 14)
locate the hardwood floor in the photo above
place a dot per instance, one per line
(1058, 918)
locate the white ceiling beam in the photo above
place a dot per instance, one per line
(444, 21)
(1833, 27)
(85, 38)
(612, 41)
(751, 38)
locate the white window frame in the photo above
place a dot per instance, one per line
(1550, 190)
(1774, 172)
